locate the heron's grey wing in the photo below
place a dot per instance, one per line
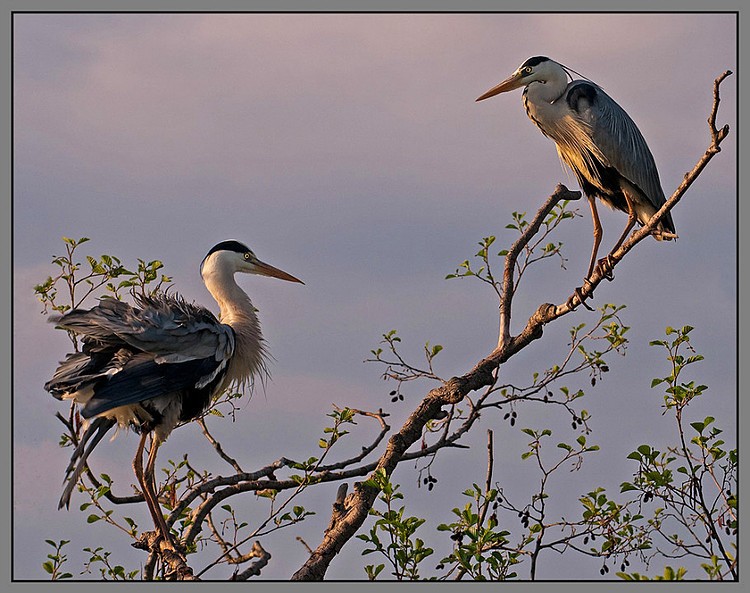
(131, 354)
(617, 138)
(167, 327)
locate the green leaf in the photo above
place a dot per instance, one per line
(92, 518)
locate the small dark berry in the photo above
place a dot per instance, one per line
(512, 421)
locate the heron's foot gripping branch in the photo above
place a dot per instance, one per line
(579, 294)
(606, 267)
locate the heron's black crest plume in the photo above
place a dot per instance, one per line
(230, 245)
(535, 61)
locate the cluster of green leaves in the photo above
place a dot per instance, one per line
(83, 281)
(540, 249)
(53, 566)
(670, 574)
(694, 482)
(678, 395)
(340, 417)
(481, 551)
(97, 557)
(403, 551)
(97, 512)
(100, 558)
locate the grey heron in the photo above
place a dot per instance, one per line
(598, 140)
(160, 363)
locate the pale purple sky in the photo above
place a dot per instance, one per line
(348, 150)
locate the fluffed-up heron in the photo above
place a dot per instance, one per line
(160, 363)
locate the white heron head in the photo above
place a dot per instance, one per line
(536, 69)
(233, 256)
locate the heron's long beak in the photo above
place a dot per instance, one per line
(514, 81)
(268, 270)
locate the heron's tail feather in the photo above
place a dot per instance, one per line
(94, 433)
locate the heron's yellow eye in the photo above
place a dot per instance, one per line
(248, 256)
(527, 70)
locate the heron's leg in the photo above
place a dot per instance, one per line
(597, 235)
(595, 249)
(147, 488)
(606, 263)
(149, 478)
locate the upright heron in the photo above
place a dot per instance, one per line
(596, 138)
(160, 363)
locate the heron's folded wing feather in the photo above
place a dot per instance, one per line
(143, 378)
(165, 326)
(620, 141)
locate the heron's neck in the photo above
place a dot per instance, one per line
(541, 102)
(236, 310)
(234, 304)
